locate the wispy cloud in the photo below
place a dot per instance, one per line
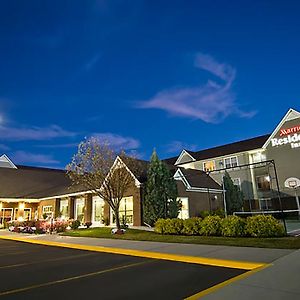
(211, 102)
(67, 145)
(23, 157)
(117, 141)
(178, 146)
(92, 62)
(33, 133)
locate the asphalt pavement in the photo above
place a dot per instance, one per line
(30, 271)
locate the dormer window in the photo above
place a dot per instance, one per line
(209, 166)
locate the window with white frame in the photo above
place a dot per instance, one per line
(258, 157)
(231, 162)
(64, 208)
(265, 203)
(209, 166)
(79, 209)
(98, 210)
(47, 211)
(125, 211)
(184, 210)
(236, 181)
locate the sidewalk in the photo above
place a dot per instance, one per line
(279, 281)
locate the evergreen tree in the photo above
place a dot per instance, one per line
(160, 192)
(234, 196)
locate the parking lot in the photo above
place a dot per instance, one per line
(29, 271)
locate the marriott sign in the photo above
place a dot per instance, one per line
(287, 137)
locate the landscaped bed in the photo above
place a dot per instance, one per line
(142, 235)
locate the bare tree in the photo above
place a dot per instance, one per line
(97, 167)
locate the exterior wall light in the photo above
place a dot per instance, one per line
(22, 205)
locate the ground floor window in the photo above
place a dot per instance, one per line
(47, 211)
(125, 211)
(6, 215)
(184, 211)
(26, 215)
(265, 203)
(64, 208)
(98, 210)
(79, 209)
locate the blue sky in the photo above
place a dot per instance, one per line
(143, 74)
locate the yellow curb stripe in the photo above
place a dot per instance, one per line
(227, 282)
(147, 254)
(9, 292)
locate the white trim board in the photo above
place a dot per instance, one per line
(289, 116)
(4, 158)
(182, 154)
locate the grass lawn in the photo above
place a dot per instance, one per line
(141, 235)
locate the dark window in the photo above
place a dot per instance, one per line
(263, 182)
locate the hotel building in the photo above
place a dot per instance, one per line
(267, 169)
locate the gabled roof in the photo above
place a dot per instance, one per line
(34, 183)
(196, 179)
(289, 116)
(138, 167)
(5, 162)
(184, 153)
(241, 146)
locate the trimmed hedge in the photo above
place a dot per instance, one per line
(211, 225)
(191, 226)
(232, 226)
(264, 226)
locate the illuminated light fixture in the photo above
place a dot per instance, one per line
(20, 219)
(21, 205)
(268, 178)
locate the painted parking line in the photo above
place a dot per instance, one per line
(225, 283)
(147, 254)
(50, 283)
(46, 260)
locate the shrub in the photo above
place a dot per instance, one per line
(60, 226)
(191, 226)
(204, 213)
(211, 225)
(233, 226)
(174, 226)
(219, 212)
(75, 224)
(169, 226)
(160, 226)
(264, 226)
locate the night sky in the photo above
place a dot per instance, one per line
(143, 74)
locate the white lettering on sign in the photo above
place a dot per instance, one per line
(289, 130)
(293, 140)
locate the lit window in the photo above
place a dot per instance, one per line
(263, 182)
(184, 210)
(209, 166)
(79, 210)
(64, 208)
(125, 210)
(231, 162)
(47, 210)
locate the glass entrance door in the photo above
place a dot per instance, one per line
(98, 211)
